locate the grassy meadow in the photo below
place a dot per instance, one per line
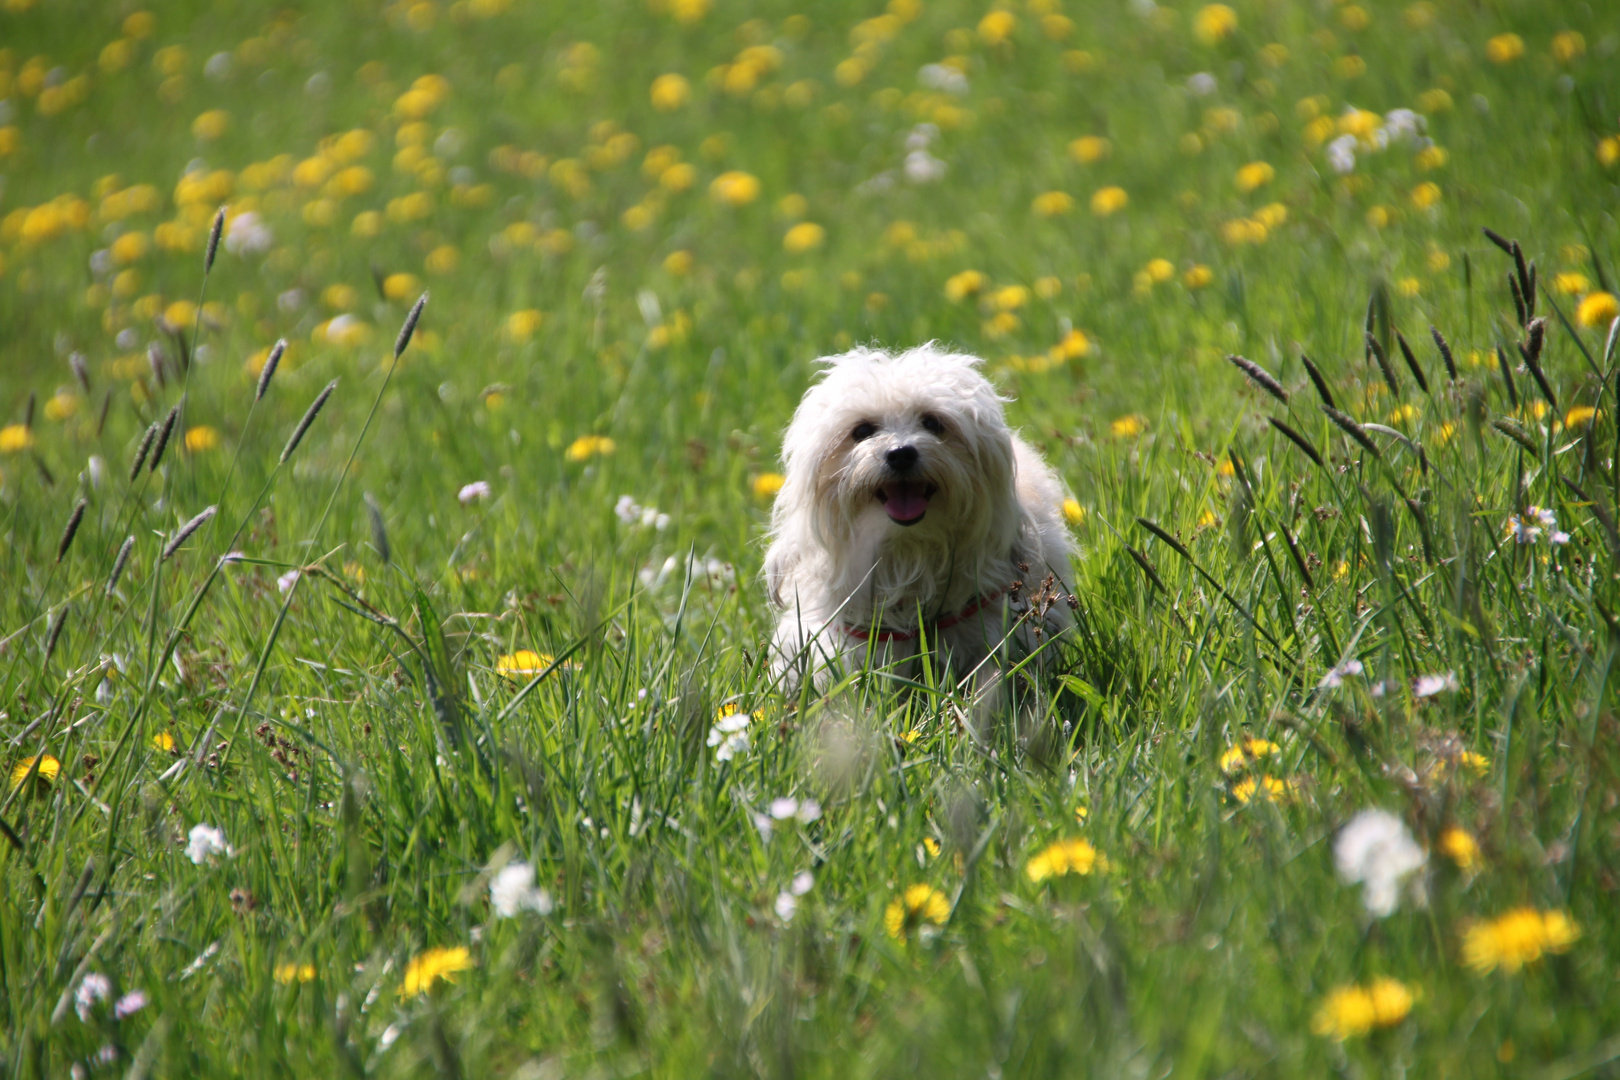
(396, 703)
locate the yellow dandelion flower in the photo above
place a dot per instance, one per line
(1350, 1011)
(402, 286)
(522, 662)
(1608, 150)
(1597, 309)
(1520, 937)
(1437, 261)
(202, 438)
(1197, 276)
(291, 973)
(1109, 200)
(49, 769)
(1580, 416)
(1569, 283)
(1074, 856)
(1460, 847)
(997, 27)
(1010, 297)
(1254, 175)
(1262, 789)
(1073, 512)
(917, 905)
(1567, 45)
(1504, 48)
(1074, 345)
(15, 438)
(670, 92)
(211, 124)
(1052, 203)
(427, 968)
(1425, 195)
(766, 485)
(734, 188)
(1215, 23)
(957, 287)
(588, 446)
(1090, 148)
(803, 237)
(1128, 426)
(1160, 269)
(523, 325)
(1432, 157)
(930, 845)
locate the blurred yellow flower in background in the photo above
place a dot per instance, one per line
(1215, 23)
(1504, 48)
(735, 188)
(669, 92)
(1090, 148)
(1053, 203)
(1255, 174)
(202, 438)
(917, 905)
(803, 237)
(766, 485)
(1109, 200)
(1597, 309)
(429, 967)
(1520, 937)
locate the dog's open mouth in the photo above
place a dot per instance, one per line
(906, 500)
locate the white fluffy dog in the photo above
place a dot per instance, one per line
(911, 513)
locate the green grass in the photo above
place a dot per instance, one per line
(370, 767)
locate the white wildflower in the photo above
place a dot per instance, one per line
(247, 234)
(787, 905)
(205, 841)
(944, 78)
(95, 987)
(802, 883)
(627, 509)
(729, 736)
(1430, 685)
(924, 168)
(1201, 84)
(1341, 154)
(787, 807)
(512, 891)
(1404, 124)
(1377, 850)
(130, 1004)
(286, 581)
(1336, 675)
(478, 489)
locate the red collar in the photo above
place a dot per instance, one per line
(966, 613)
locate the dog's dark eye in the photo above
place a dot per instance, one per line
(932, 424)
(863, 430)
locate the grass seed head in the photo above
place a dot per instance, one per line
(119, 563)
(186, 530)
(379, 529)
(81, 371)
(409, 328)
(142, 450)
(1262, 378)
(1376, 351)
(1352, 429)
(1507, 377)
(1412, 362)
(214, 232)
(163, 435)
(310, 414)
(1317, 380)
(268, 372)
(71, 529)
(1445, 352)
(1499, 240)
(54, 635)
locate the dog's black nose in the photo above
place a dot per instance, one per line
(902, 458)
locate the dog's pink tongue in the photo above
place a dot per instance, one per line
(906, 502)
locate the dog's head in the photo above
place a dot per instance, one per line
(900, 449)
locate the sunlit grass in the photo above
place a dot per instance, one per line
(397, 703)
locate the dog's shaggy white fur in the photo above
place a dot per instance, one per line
(910, 512)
